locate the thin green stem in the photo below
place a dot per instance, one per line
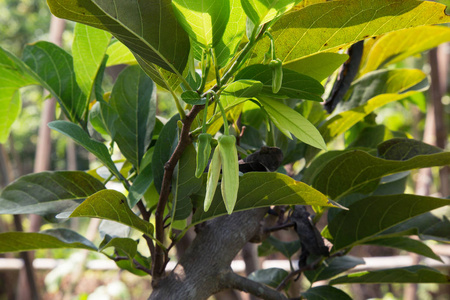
(224, 116)
(216, 68)
(205, 115)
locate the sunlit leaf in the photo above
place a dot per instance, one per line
(263, 11)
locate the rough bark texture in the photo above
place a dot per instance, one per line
(201, 272)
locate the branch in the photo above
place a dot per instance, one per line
(158, 260)
(234, 281)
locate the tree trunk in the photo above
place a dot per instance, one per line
(205, 269)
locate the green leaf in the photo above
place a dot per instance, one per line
(102, 117)
(295, 85)
(271, 277)
(404, 243)
(119, 54)
(263, 11)
(48, 239)
(148, 28)
(353, 170)
(381, 82)
(290, 121)
(88, 49)
(53, 67)
(396, 46)
(140, 184)
(76, 133)
(286, 248)
(48, 193)
(193, 98)
(333, 25)
(404, 149)
(240, 89)
(432, 225)
(185, 184)
(134, 98)
(253, 193)
(10, 105)
(163, 149)
(325, 292)
(111, 205)
(127, 245)
(413, 274)
(203, 20)
(233, 34)
(332, 267)
(373, 215)
(318, 66)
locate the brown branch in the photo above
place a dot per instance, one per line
(291, 275)
(234, 281)
(145, 214)
(185, 139)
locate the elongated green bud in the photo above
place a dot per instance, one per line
(277, 74)
(203, 153)
(213, 178)
(230, 171)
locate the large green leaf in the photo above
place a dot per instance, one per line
(289, 121)
(295, 85)
(48, 192)
(127, 245)
(148, 28)
(271, 277)
(272, 245)
(163, 149)
(88, 49)
(76, 133)
(381, 82)
(48, 239)
(119, 54)
(318, 66)
(203, 20)
(373, 215)
(353, 170)
(413, 274)
(263, 189)
(185, 184)
(333, 25)
(404, 149)
(102, 117)
(325, 292)
(140, 184)
(111, 205)
(232, 36)
(396, 46)
(53, 67)
(404, 243)
(134, 98)
(14, 74)
(332, 267)
(263, 11)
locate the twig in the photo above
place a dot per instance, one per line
(145, 214)
(309, 267)
(279, 227)
(158, 259)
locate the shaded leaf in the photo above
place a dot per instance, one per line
(148, 28)
(134, 99)
(88, 49)
(163, 149)
(325, 292)
(332, 267)
(404, 149)
(413, 274)
(48, 239)
(333, 25)
(396, 46)
(404, 243)
(185, 184)
(272, 245)
(271, 277)
(102, 117)
(289, 121)
(140, 184)
(126, 245)
(253, 193)
(76, 133)
(111, 205)
(353, 170)
(48, 193)
(373, 215)
(295, 85)
(193, 98)
(54, 69)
